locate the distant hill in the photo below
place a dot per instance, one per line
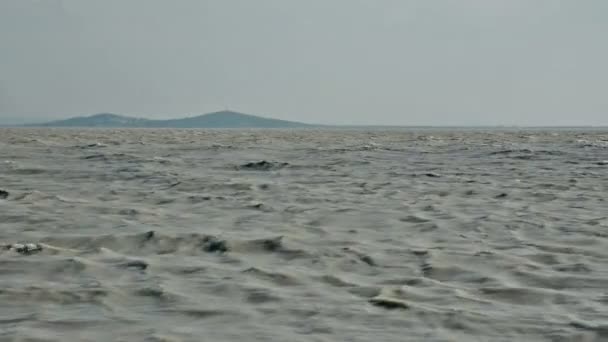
(98, 120)
(223, 119)
(228, 119)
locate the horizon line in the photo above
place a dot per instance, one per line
(338, 125)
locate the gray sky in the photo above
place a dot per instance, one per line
(402, 62)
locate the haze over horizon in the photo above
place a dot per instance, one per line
(387, 62)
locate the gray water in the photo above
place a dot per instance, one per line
(401, 235)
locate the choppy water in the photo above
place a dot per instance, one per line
(189, 235)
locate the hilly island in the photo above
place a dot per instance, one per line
(222, 119)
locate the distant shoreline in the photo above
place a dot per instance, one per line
(326, 127)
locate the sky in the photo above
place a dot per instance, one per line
(368, 62)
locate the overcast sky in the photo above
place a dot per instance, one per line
(401, 62)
